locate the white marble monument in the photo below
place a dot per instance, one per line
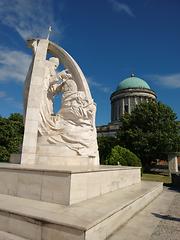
(59, 191)
(69, 136)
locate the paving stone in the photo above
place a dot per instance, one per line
(160, 220)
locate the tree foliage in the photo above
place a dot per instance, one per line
(11, 134)
(151, 131)
(123, 156)
(105, 144)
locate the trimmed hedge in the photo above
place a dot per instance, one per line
(123, 156)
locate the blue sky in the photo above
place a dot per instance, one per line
(109, 39)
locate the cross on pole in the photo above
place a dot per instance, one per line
(49, 31)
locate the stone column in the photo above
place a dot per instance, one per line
(172, 162)
(129, 105)
(112, 111)
(135, 99)
(123, 106)
(33, 105)
(118, 113)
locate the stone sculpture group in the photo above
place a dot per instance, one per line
(73, 124)
(72, 128)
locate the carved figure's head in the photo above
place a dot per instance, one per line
(55, 61)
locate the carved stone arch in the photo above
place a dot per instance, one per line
(67, 60)
(69, 63)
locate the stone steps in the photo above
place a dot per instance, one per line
(155, 222)
(9, 236)
(93, 219)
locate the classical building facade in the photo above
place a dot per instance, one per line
(129, 93)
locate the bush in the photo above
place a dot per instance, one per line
(123, 156)
(11, 135)
(105, 144)
(4, 154)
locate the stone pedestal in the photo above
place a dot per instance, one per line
(15, 158)
(62, 185)
(78, 202)
(60, 155)
(173, 162)
(94, 219)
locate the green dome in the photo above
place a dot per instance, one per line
(133, 82)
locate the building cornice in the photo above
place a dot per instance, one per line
(133, 92)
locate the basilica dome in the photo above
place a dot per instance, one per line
(129, 93)
(132, 82)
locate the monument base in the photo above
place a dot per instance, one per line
(56, 160)
(68, 202)
(64, 185)
(66, 161)
(94, 219)
(59, 154)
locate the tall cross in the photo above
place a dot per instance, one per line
(49, 31)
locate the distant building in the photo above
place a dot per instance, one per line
(129, 93)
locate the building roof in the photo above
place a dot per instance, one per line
(133, 82)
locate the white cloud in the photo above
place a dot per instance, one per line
(30, 18)
(97, 85)
(121, 7)
(13, 65)
(170, 80)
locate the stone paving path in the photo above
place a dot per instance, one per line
(160, 220)
(169, 226)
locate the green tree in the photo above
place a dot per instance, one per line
(11, 134)
(123, 156)
(105, 144)
(151, 131)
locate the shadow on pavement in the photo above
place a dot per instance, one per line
(171, 187)
(166, 217)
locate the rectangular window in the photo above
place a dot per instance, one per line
(126, 106)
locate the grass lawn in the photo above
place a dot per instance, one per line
(156, 177)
